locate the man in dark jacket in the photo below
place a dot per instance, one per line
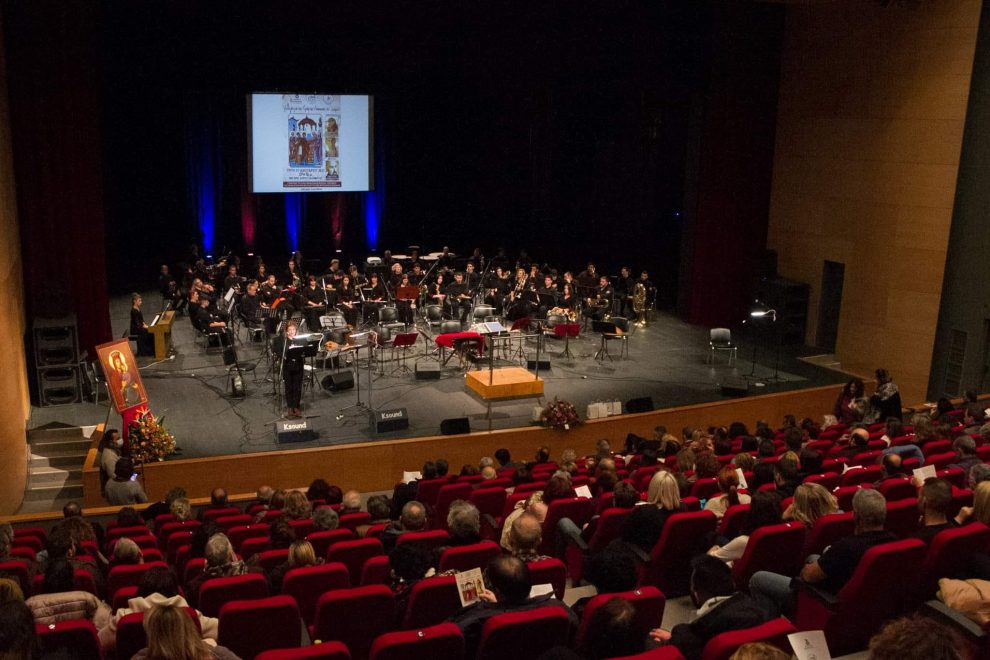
(720, 608)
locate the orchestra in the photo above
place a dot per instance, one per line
(355, 295)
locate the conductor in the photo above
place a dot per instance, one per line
(292, 370)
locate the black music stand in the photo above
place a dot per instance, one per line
(403, 342)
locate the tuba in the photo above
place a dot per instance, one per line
(639, 303)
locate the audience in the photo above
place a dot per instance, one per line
(917, 637)
(463, 523)
(301, 554)
(934, 501)
(764, 510)
(525, 537)
(412, 519)
(220, 562)
(379, 508)
(17, 633)
(124, 488)
(728, 484)
(59, 599)
(325, 519)
(811, 502)
(172, 635)
(126, 551)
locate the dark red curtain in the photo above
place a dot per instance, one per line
(54, 86)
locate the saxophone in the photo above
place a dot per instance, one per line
(639, 303)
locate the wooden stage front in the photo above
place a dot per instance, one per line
(504, 383)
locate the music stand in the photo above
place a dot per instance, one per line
(357, 342)
(403, 341)
(567, 330)
(605, 328)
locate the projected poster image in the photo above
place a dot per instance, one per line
(310, 142)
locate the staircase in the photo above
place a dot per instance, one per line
(58, 452)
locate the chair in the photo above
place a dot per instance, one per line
(32, 542)
(352, 521)
(649, 603)
(446, 496)
(18, 570)
(684, 536)
(862, 475)
(897, 488)
(431, 601)
(659, 653)
(353, 554)
(578, 509)
(131, 636)
(376, 570)
(948, 555)
(828, 480)
(120, 599)
(827, 530)
(308, 583)
(620, 333)
(214, 593)
(844, 495)
(321, 541)
(607, 530)
(324, 651)
(427, 490)
(271, 559)
(720, 339)
(526, 634)
(166, 531)
(705, 488)
(77, 634)
(941, 461)
(775, 548)
(220, 512)
(774, 632)
(902, 517)
(441, 641)
(302, 528)
(355, 617)
(238, 535)
(549, 571)
(936, 447)
(254, 546)
(876, 592)
(129, 575)
(466, 557)
(434, 538)
(248, 627)
(734, 521)
(489, 501)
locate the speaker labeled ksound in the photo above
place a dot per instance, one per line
(385, 421)
(294, 430)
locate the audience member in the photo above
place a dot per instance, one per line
(59, 599)
(966, 458)
(159, 586)
(350, 502)
(127, 552)
(301, 554)
(532, 504)
(934, 501)
(325, 519)
(759, 651)
(917, 637)
(886, 400)
(720, 608)
(319, 489)
(409, 563)
(728, 485)
(181, 509)
(164, 505)
(6, 541)
(297, 507)
(463, 523)
(404, 493)
(837, 564)
(124, 488)
(10, 589)
(507, 590)
(744, 461)
(764, 510)
(412, 519)
(172, 635)
(525, 537)
(220, 562)
(811, 502)
(847, 409)
(17, 633)
(379, 507)
(504, 459)
(613, 632)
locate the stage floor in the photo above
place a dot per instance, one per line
(667, 362)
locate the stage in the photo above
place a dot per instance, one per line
(667, 361)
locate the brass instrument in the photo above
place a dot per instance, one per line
(639, 303)
(569, 314)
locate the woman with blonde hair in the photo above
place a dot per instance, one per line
(811, 502)
(301, 554)
(663, 491)
(172, 635)
(980, 511)
(297, 507)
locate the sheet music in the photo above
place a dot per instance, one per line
(155, 321)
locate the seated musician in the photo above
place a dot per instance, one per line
(601, 303)
(437, 291)
(209, 293)
(357, 279)
(292, 277)
(170, 289)
(471, 278)
(459, 297)
(567, 299)
(347, 301)
(270, 290)
(396, 275)
(588, 277)
(262, 273)
(251, 306)
(496, 288)
(417, 274)
(139, 329)
(315, 302)
(206, 321)
(623, 292)
(548, 295)
(233, 280)
(374, 293)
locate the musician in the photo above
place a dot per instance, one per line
(567, 298)
(270, 290)
(522, 299)
(446, 258)
(388, 261)
(170, 290)
(206, 321)
(292, 278)
(437, 292)
(251, 306)
(417, 274)
(233, 280)
(459, 297)
(471, 278)
(496, 288)
(624, 290)
(477, 259)
(315, 300)
(405, 307)
(347, 301)
(292, 371)
(396, 275)
(534, 274)
(588, 277)
(262, 274)
(547, 294)
(601, 303)
(139, 329)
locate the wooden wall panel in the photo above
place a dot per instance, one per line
(14, 398)
(375, 466)
(869, 132)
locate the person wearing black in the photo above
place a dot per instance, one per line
(139, 329)
(315, 298)
(233, 280)
(471, 276)
(206, 321)
(601, 304)
(292, 371)
(496, 286)
(459, 297)
(623, 292)
(269, 290)
(374, 292)
(405, 307)
(347, 301)
(548, 296)
(251, 306)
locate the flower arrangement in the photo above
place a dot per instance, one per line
(560, 415)
(149, 440)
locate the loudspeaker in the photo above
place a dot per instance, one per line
(455, 426)
(338, 380)
(55, 342)
(735, 388)
(427, 371)
(59, 385)
(640, 405)
(237, 385)
(294, 430)
(544, 365)
(384, 421)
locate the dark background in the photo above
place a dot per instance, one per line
(636, 133)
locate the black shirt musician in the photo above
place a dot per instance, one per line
(314, 302)
(139, 329)
(292, 370)
(459, 297)
(601, 304)
(251, 306)
(347, 301)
